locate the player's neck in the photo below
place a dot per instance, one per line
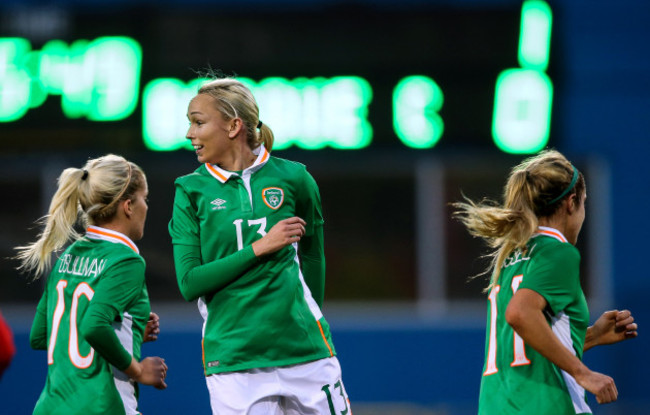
(240, 158)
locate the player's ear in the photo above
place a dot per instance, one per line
(572, 203)
(234, 127)
(127, 207)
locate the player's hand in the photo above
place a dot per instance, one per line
(152, 329)
(614, 326)
(600, 385)
(283, 233)
(154, 372)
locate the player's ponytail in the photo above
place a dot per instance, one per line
(87, 195)
(531, 192)
(265, 136)
(58, 224)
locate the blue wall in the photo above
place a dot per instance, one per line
(604, 107)
(428, 367)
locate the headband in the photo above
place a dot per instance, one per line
(568, 189)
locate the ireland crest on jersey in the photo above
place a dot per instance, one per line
(273, 197)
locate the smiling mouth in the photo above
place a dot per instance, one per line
(197, 147)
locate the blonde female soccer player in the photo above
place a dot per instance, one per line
(248, 244)
(93, 315)
(537, 326)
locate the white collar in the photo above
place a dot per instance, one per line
(552, 232)
(223, 175)
(97, 232)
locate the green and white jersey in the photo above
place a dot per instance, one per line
(516, 378)
(91, 321)
(258, 312)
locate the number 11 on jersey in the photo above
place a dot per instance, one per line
(519, 350)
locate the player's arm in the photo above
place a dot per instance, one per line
(525, 314)
(612, 327)
(38, 333)
(115, 291)
(312, 260)
(196, 279)
(311, 246)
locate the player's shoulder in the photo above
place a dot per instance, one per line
(289, 170)
(90, 256)
(196, 177)
(554, 249)
(289, 165)
(119, 252)
(123, 258)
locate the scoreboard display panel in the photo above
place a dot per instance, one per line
(345, 77)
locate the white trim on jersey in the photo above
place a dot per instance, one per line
(97, 232)
(552, 232)
(309, 299)
(223, 175)
(124, 385)
(203, 310)
(561, 326)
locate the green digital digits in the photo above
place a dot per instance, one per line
(107, 81)
(523, 98)
(15, 81)
(522, 110)
(416, 102)
(535, 35)
(98, 79)
(310, 113)
(164, 109)
(313, 113)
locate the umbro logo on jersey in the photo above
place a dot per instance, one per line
(273, 197)
(218, 204)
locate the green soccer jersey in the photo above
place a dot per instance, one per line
(91, 321)
(258, 312)
(516, 378)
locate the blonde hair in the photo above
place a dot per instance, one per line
(234, 100)
(535, 189)
(89, 195)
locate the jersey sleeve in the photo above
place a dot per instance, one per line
(311, 246)
(38, 333)
(196, 279)
(308, 204)
(184, 225)
(312, 260)
(554, 273)
(114, 293)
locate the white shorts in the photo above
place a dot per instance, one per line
(309, 388)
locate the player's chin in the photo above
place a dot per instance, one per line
(200, 156)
